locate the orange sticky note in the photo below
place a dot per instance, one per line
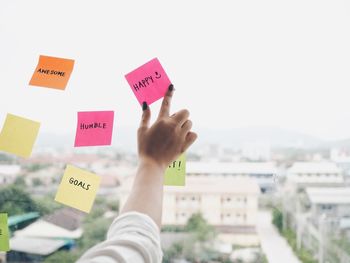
(52, 72)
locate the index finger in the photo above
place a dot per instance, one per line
(165, 108)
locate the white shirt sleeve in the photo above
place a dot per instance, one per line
(132, 237)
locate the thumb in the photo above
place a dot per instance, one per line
(146, 116)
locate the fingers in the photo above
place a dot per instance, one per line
(165, 108)
(186, 127)
(189, 140)
(146, 116)
(181, 117)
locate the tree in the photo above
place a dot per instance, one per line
(5, 158)
(199, 247)
(199, 226)
(173, 252)
(37, 182)
(62, 256)
(19, 181)
(277, 219)
(14, 201)
(113, 205)
(95, 231)
(47, 205)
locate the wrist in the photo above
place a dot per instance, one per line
(152, 164)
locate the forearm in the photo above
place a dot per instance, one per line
(147, 192)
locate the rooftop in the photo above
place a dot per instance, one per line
(314, 168)
(43, 229)
(207, 185)
(230, 168)
(36, 246)
(67, 218)
(9, 169)
(329, 195)
(14, 220)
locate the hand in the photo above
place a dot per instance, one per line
(168, 137)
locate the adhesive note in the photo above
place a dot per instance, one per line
(175, 174)
(18, 135)
(149, 82)
(78, 188)
(4, 233)
(94, 128)
(52, 72)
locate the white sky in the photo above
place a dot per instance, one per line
(233, 63)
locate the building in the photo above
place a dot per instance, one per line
(262, 172)
(45, 176)
(57, 231)
(326, 219)
(312, 174)
(342, 158)
(29, 249)
(18, 222)
(8, 173)
(332, 201)
(65, 223)
(300, 176)
(228, 203)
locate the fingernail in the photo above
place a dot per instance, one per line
(144, 105)
(171, 87)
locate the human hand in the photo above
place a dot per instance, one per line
(168, 137)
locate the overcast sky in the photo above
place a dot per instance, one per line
(233, 63)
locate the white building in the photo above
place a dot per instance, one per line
(262, 172)
(328, 218)
(308, 174)
(8, 173)
(228, 203)
(332, 202)
(342, 158)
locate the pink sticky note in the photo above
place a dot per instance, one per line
(94, 128)
(148, 82)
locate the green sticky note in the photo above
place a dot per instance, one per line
(175, 174)
(4, 233)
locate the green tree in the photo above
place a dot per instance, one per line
(14, 201)
(94, 232)
(47, 205)
(62, 256)
(113, 205)
(6, 158)
(277, 219)
(19, 181)
(198, 246)
(35, 167)
(37, 182)
(199, 226)
(173, 252)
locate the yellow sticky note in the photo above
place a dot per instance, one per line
(18, 135)
(78, 188)
(175, 174)
(4, 233)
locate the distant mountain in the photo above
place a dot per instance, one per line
(125, 139)
(275, 137)
(345, 144)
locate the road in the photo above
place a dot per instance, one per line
(274, 246)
